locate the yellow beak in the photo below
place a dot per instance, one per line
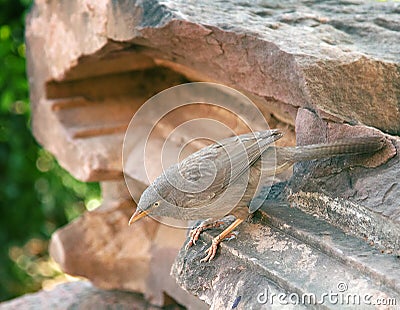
(137, 216)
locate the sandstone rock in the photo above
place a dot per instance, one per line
(78, 295)
(352, 218)
(337, 68)
(100, 246)
(346, 68)
(163, 253)
(103, 248)
(310, 128)
(114, 193)
(84, 133)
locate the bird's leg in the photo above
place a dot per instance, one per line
(206, 224)
(217, 240)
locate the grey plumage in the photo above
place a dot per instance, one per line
(222, 178)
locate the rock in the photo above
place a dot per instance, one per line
(160, 282)
(352, 177)
(115, 193)
(346, 68)
(286, 252)
(102, 247)
(354, 219)
(93, 136)
(311, 129)
(78, 295)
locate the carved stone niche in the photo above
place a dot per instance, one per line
(321, 71)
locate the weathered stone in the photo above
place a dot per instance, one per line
(345, 68)
(163, 253)
(310, 128)
(114, 193)
(352, 218)
(352, 178)
(78, 295)
(338, 68)
(286, 251)
(100, 246)
(86, 134)
(103, 248)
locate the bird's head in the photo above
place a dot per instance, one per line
(150, 203)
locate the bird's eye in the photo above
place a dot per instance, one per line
(156, 204)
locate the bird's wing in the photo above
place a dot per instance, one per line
(209, 171)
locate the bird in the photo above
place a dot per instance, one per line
(217, 183)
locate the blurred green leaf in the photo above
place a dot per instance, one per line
(36, 195)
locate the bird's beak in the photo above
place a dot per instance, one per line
(137, 216)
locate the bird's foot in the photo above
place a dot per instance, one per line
(212, 250)
(207, 224)
(227, 233)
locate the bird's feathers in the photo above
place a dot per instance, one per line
(205, 174)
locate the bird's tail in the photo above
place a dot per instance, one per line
(361, 145)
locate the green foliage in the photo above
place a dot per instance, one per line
(36, 195)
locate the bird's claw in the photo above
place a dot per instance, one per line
(195, 232)
(188, 245)
(211, 251)
(227, 234)
(194, 236)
